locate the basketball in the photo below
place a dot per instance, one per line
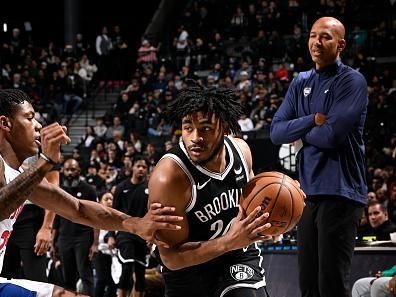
(277, 194)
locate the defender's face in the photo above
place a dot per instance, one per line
(324, 43)
(203, 136)
(24, 133)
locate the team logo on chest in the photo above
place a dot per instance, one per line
(241, 272)
(307, 91)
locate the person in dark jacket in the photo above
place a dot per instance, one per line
(381, 226)
(324, 112)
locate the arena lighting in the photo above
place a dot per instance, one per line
(5, 27)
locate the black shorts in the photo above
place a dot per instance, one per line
(237, 269)
(133, 252)
(132, 256)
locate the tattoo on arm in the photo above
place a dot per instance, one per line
(17, 191)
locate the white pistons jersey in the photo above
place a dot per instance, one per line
(6, 225)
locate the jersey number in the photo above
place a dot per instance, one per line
(217, 227)
(4, 238)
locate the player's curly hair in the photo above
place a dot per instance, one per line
(10, 99)
(222, 102)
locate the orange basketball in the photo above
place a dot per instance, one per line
(277, 194)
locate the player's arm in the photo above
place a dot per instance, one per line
(169, 185)
(13, 195)
(99, 216)
(44, 234)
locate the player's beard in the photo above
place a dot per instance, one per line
(213, 155)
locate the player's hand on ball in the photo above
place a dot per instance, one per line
(246, 230)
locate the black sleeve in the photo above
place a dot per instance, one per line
(90, 193)
(56, 223)
(116, 198)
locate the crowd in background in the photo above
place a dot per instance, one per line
(255, 48)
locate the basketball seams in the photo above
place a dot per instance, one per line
(292, 207)
(276, 199)
(259, 191)
(270, 185)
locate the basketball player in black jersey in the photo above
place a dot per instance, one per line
(215, 254)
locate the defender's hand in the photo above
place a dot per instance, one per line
(52, 137)
(158, 217)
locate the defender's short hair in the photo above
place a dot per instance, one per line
(10, 99)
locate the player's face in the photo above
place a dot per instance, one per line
(325, 43)
(24, 133)
(203, 136)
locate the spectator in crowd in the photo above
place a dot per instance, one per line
(152, 154)
(117, 126)
(87, 142)
(182, 48)
(379, 221)
(100, 128)
(73, 93)
(119, 55)
(124, 104)
(383, 285)
(147, 54)
(105, 286)
(93, 179)
(245, 123)
(81, 46)
(76, 243)
(103, 47)
(130, 197)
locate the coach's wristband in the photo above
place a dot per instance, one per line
(49, 160)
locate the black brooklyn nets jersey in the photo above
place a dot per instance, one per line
(213, 205)
(214, 196)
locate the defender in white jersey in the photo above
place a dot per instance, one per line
(17, 287)
(215, 254)
(21, 136)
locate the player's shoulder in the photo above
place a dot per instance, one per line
(241, 144)
(168, 170)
